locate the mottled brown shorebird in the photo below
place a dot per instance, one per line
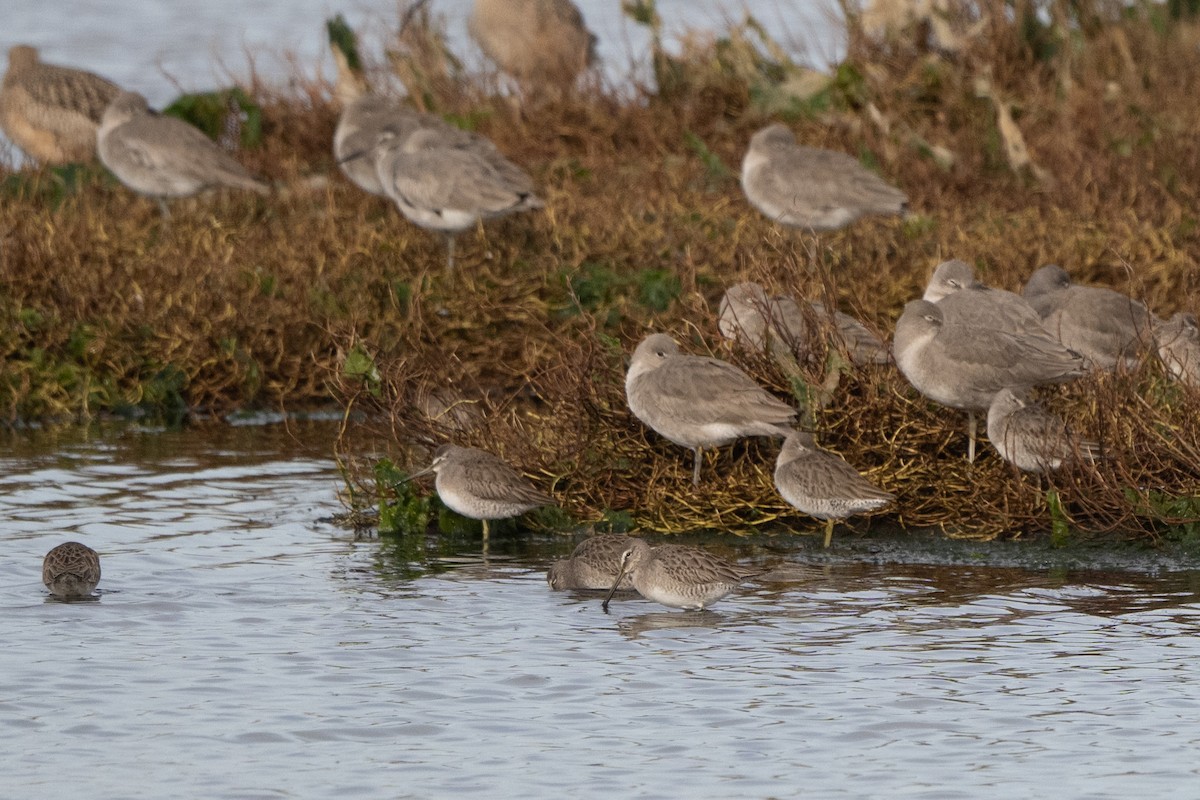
(1031, 438)
(962, 366)
(594, 564)
(479, 485)
(677, 575)
(540, 43)
(1106, 327)
(821, 484)
(450, 183)
(52, 112)
(812, 188)
(71, 570)
(746, 314)
(697, 401)
(163, 157)
(1178, 341)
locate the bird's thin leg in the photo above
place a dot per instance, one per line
(485, 531)
(162, 206)
(449, 252)
(828, 532)
(971, 436)
(696, 466)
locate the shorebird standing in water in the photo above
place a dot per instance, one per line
(163, 157)
(594, 564)
(52, 112)
(677, 575)
(812, 188)
(71, 570)
(479, 485)
(697, 401)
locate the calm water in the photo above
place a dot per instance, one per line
(242, 649)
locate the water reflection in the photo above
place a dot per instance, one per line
(234, 628)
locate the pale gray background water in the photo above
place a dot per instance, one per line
(241, 649)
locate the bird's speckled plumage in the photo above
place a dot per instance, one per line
(1028, 436)
(1106, 327)
(821, 484)
(52, 112)
(697, 401)
(811, 188)
(71, 570)
(481, 486)
(594, 564)
(678, 575)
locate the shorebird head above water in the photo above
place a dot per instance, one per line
(950, 277)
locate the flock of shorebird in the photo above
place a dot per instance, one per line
(962, 345)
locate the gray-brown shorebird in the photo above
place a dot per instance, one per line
(697, 401)
(1106, 327)
(71, 570)
(962, 366)
(163, 157)
(594, 564)
(450, 183)
(1178, 341)
(678, 575)
(821, 484)
(812, 188)
(479, 485)
(1031, 438)
(52, 112)
(543, 44)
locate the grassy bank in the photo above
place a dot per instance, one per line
(321, 292)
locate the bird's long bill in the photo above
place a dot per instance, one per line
(418, 474)
(357, 154)
(613, 589)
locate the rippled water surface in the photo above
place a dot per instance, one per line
(243, 649)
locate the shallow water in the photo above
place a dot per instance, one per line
(242, 649)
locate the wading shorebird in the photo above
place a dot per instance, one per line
(812, 188)
(1032, 439)
(1106, 327)
(594, 564)
(697, 401)
(163, 157)
(71, 570)
(479, 485)
(52, 112)
(677, 575)
(962, 366)
(821, 484)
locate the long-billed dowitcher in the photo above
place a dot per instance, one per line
(594, 564)
(963, 366)
(71, 570)
(481, 486)
(1178, 341)
(163, 157)
(1106, 327)
(698, 402)
(811, 188)
(677, 575)
(821, 484)
(52, 112)
(748, 315)
(449, 184)
(1028, 436)
(540, 43)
